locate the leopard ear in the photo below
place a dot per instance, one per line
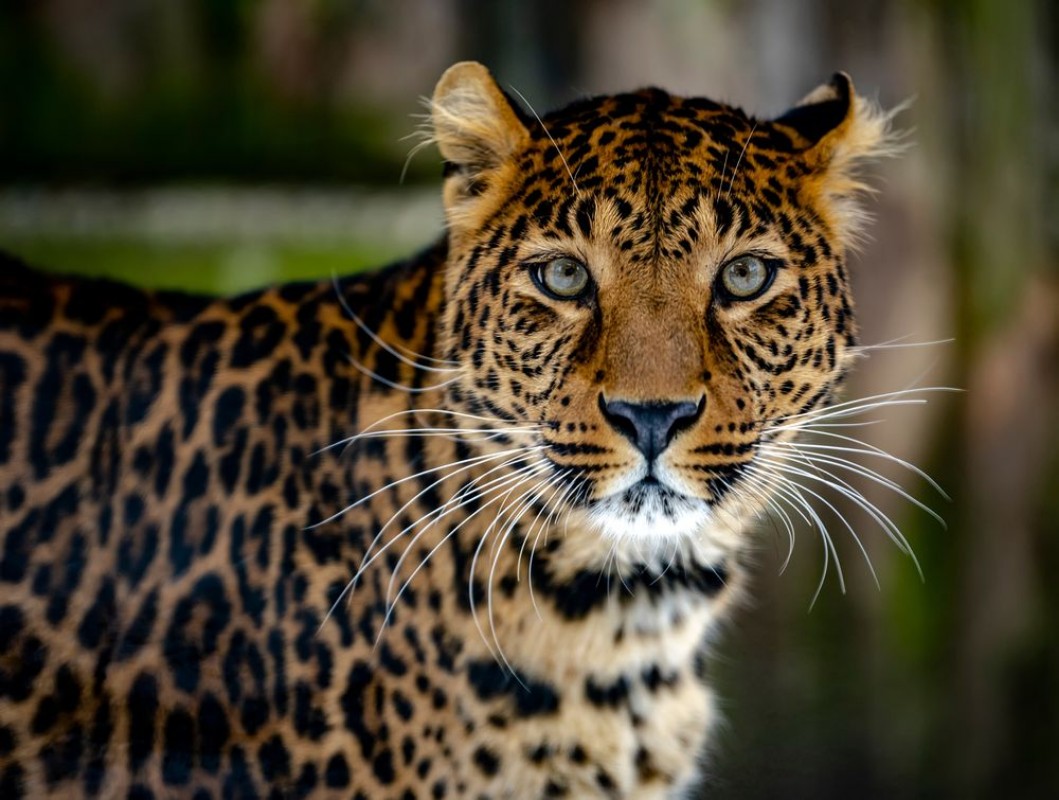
(835, 132)
(476, 127)
(825, 110)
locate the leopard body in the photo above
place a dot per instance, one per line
(390, 535)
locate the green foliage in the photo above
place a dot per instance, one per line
(179, 108)
(214, 269)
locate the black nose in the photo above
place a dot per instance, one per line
(650, 426)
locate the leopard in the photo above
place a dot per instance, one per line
(467, 526)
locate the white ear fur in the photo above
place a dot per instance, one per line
(474, 124)
(477, 131)
(841, 132)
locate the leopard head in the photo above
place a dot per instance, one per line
(658, 283)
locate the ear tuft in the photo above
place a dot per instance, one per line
(475, 126)
(836, 132)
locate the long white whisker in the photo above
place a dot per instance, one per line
(853, 533)
(851, 466)
(453, 365)
(762, 492)
(451, 434)
(833, 412)
(844, 488)
(392, 605)
(882, 520)
(812, 426)
(368, 558)
(547, 522)
(413, 411)
(523, 454)
(577, 190)
(465, 495)
(764, 476)
(576, 497)
(767, 480)
(724, 167)
(900, 393)
(524, 501)
(571, 487)
(399, 387)
(735, 170)
(670, 560)
(560, 485)
(896, 344)
(407, 478)
(869, 450)
(793, 490)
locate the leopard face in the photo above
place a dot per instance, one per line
(657, 282)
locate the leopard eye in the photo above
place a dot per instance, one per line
(745, 277)
(564, 278)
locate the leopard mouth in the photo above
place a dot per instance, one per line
(650, 508)
(650, 489)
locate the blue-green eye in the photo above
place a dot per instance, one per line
(564, 278)
(745, 277)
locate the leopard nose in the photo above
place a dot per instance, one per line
(651, 426)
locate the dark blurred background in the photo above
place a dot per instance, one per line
(218, 145)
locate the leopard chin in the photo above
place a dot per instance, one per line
(649, 511)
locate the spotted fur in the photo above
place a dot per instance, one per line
(179, 533)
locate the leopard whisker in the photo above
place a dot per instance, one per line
(884, 522)
(466, 494)
(564, 487)
(793, 491)
(862, 403)
(562, 157)
(535, 492)
(413, 411)
(669, 563)
(392, 605)
(442, 511)
(533, 550)
(767, 491)
(399, 481)
(868, 450)
(812, 426)
(865, 472)
(848, 491)
(518, 564)
(452, 366)
(840, 412)
(397, 386)
(564, 505)
(469, 435)
(852, 532)
(897, 343)
(621, 578)
(735, 170)
(608, 566)
(724, 167)
(760, 491)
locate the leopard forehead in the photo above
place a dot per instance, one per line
(649, 146)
